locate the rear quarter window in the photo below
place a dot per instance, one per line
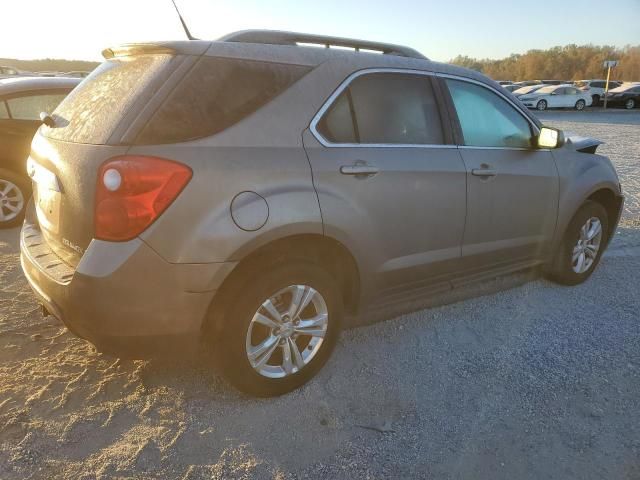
(216, 94)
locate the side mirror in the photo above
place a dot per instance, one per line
(550, 138)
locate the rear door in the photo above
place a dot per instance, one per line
(390, 183)
(512, 187)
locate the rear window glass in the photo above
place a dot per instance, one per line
(93, 109)
(215, 95)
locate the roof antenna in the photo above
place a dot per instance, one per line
(184, 25)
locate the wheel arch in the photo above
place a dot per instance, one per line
(320, 249)
(612, 203)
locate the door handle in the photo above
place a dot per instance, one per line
(359, 170)
(483, 172)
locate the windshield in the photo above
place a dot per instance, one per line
(549, 89)
(624, 88)
(524, 90)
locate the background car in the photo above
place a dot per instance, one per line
(505, 82)
(75, 74)
(557, 96)
(512, 87)
(596, 88)
(21, 101)
(527, 83)
(626, 95)
(9, 72)
(527, 89)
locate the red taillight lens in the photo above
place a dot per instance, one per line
(133, 191)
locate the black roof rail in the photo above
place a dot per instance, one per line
(275, 37)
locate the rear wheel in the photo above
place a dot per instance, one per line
(541, 105)
(630, 104)
(580, 104)
(14, 193)
(582, 246)
(279, 328)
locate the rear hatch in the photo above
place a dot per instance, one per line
(89, 128)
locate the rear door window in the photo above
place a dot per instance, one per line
(215, 95)
(385, 108)
(486, 119)
(29, 107)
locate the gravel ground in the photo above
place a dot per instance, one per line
(536, 381)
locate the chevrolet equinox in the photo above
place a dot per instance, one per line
(258, 194)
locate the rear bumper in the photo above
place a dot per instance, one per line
(123, 297)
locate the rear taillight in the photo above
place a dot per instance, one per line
(133, 191)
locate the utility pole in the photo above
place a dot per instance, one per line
(608, 64)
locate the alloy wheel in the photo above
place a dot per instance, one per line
(580, 105)
(11, 201)
(629, 104)
(542, 105)
(287, 331)
(586, 249)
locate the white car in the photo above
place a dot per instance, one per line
(557, 96)
(596, 88)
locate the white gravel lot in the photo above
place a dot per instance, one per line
(535, 381)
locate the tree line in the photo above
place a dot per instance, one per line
(570, 62)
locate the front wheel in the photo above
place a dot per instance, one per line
(14, 193)
(630, 104)
(542, 105)
(580, 104)
(582, 246)
(279, 328)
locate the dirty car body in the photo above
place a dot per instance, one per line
(274, 154)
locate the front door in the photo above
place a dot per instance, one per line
(512, 187)
(390, 186)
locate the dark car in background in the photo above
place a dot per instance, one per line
(627, 96)
(21, 102)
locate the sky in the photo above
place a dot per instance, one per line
(81, 29)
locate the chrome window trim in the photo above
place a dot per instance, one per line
(342, 87)
(345, 83)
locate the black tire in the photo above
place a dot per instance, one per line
(580, 104)
(561, 269)
(630, 104)
(246, 295)
(596, 100)
(21, 184)
(541, 105)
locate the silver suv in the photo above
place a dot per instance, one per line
(260, 193)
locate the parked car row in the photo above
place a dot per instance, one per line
(11, 72)
(543, 94)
